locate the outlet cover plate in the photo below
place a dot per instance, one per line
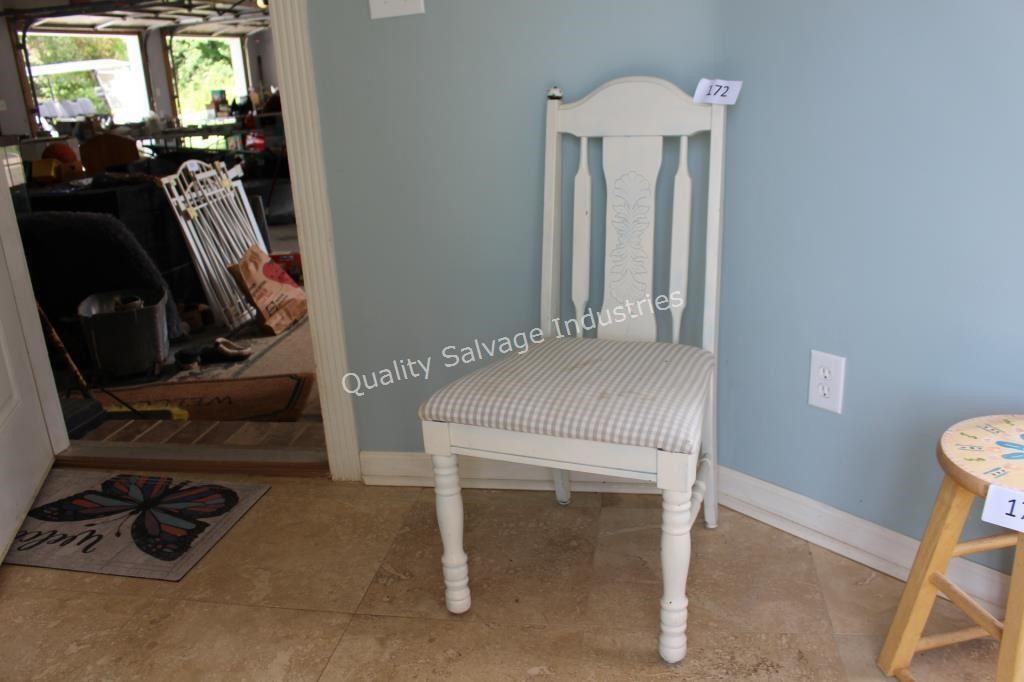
(384, 9)
(827, 381)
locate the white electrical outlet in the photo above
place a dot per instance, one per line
(828, 375)
(382, 9)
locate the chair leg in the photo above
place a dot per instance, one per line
(710, 446)
(450, 522)
(1011, 647)
(711, 492)
(933, 556)
(563, 492)
(675, 565)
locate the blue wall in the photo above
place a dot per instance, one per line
(436, 165)
(879, 218)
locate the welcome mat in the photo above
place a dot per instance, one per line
(128, 524)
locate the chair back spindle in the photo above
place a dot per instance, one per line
(581, 233)
(631, 117)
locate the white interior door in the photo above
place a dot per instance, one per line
(26, 450)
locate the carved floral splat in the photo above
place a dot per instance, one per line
(629, 276)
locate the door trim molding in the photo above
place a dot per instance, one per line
(12, 250)
(850, 536)
(294, 60)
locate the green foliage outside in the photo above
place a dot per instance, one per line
(51, 49)
(201, 65)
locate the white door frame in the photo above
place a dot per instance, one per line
(31, 328)
(316, 239)
(294, 60)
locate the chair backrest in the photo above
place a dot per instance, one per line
(632, 116)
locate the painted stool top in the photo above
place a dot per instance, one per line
(983, 450)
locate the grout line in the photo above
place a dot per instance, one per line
(387, 553)
(181, 425)
(156, 422)
(192, 600)
(298, 433)
(362, 598)
(114, 433)
(195, 441)
(821, 591)
(337, 645)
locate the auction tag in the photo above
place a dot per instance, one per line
(715, 91)
(1004, 507)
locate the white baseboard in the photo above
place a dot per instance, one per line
(882, 549)
(868, 543)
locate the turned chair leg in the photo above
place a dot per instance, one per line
(933, 556)
(675, 565)
(709, 445)
(711, 492)
(450, 522)
(563, 492)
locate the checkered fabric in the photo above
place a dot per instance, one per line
(628, 392)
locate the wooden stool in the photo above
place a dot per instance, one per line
(973, 454)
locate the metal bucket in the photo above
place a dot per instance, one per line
(126, 330)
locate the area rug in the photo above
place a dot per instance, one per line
(128, 524)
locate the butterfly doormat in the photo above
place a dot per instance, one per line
(126, 524)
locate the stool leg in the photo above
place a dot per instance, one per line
(936, 549)
(1011, 647)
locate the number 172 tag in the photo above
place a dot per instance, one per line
(1004, 507)
(715, 91)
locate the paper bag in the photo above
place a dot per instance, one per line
(279, 301)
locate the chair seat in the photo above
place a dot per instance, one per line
(628, 392)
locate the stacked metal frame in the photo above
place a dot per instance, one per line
(219, 226)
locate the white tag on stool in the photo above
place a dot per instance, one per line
(1004, 507)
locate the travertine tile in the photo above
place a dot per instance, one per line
(48, 633)
(60, 635)
(713, 655)
(566, 593)
(307, 543)
(728, 605)
(739, 535)
(744, 576)
(303, 546)
(396, 648)
(530, 560)
(629, 546)
(375, 648)
(859, 654)
(192, 641)
(967, 662)
(862, 601)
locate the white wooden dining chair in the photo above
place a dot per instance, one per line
(621, 404)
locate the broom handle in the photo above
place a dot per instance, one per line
(54, 338)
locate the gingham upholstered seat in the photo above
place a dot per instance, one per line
(628, 392)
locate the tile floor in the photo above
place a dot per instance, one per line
(333, 581)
